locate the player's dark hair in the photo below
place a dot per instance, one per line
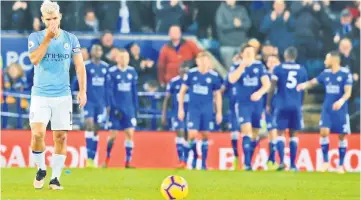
(106, 32)
(335, 54)
(244, 46)
(291, 53)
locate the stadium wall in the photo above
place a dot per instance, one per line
(157, 150)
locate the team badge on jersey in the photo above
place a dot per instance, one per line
(255, 70)
(327, 79)
(92, 71)
(129, 76)
(195, 78)
(339, 78)
(185, 77)
(118, 76)
(208, 80)
(66, 46)
(30, 44)
(104, 71)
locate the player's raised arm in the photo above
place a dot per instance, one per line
(237, 73)
(37, 49)
(307, 85)
(165, 105)
(80, 72)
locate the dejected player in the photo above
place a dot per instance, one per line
(252, 82)
(337, 81)
(288, 109)
(123, 104)
(51, 52)
(172, 91)
(203, 86)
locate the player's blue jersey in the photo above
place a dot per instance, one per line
(96, 83)
(173, 89)
(334, 84)
(201, 88)
(230, 89)
(250, 82)
(288, 75)
(122, 88)
(51, 76)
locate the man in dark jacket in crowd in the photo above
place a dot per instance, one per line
(167, 13)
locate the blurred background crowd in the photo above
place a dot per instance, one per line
(314, 27)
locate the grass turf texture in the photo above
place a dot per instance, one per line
(144, 184)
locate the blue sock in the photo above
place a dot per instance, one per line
(246, 144)
(293, 151)
(128, 150)
(195, 153)
(204, 153)
(253, 147)
(180, 147)
(109, 147)
(272, 150)
(234, 136)
(342, 151)
(281, 148)
(94, 146)
(325, 146)
(186, 152)
(89, 143)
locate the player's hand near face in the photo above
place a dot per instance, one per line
(51, 31)
(338, 104)
(256, 96)
(81, 99)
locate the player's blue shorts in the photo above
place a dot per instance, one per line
(200, 119)
(249, 113)
(288, 118)
(336, 121)
(120, 119)
(178, 124)
(270, 122)
(98, 113)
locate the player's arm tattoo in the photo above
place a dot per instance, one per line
(265, 85)
(271, 92)
(80, 71)
(218, 97)
(38, 54)
(182, 93)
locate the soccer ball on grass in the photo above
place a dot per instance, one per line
(174, 187)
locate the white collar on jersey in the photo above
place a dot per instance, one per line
(123, 70)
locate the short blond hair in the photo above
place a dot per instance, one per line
(49, 7)
(204, 54)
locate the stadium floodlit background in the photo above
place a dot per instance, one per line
(313, 27)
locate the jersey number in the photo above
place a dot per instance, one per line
(291, 80)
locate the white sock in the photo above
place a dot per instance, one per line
(57, 165)
(39, 159)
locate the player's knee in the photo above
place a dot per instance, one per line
(280, 132)
(293, 133)
(38, 136)
(324, 132)
(205, 135)
(341, 137)
(246, 129)
(60, 138)
(180, 133)
(192, 134)
(89, 125)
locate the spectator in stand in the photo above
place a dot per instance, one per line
(90, 22)
(167, 14)
(232, 23)
(143, 66)
(310, 21)
(35, 15)
(278, 26)
(206, 19)
(355, 9)
(20, 18)
(348, 59)
(141, 16)
(106, 42)
(172, 54)
(268, 50)
(346, 28)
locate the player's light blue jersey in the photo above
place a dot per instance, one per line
(288, 75)
(123, 88)
(97, 82)
(334, 84)
(173, 89)
(51, 76)
(201, 87)
(250, 82)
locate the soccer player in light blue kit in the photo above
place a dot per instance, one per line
(172, 91)
(123, 104)
(288, 110)
(252, 83)
(51, 51)
(95, 109)
(203, 85)
(337, 81)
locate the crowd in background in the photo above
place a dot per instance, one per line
(313, 27)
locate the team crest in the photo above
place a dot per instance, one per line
(241, 119)
(327, 79)
(129, 76)
(208, 80)
(177, 87)
(118, 76)
(339, 78)
(104, 71)
(66, 46)
(255, 70)
(195, 78)
(92, 71)
(30, 44)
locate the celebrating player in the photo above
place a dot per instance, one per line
(202, 83)
(95, 109)
(173, 89)
(51, 51)
(252, 83)
(288, 110)
(337, 81)
(231, 91)
(272, 62)
(124, 104)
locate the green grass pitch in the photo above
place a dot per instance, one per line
(143, 184)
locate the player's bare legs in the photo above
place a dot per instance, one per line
(272, 137)
(281, 148)
(110, 143)
(129, 145)
(192, 134)
(58, 159)
(342, 147)
(324, 142)
(38, 131)
(246, 129)
(90, 139)
(204, 149)
(293, 149)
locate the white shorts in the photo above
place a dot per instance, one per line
(58, 110)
